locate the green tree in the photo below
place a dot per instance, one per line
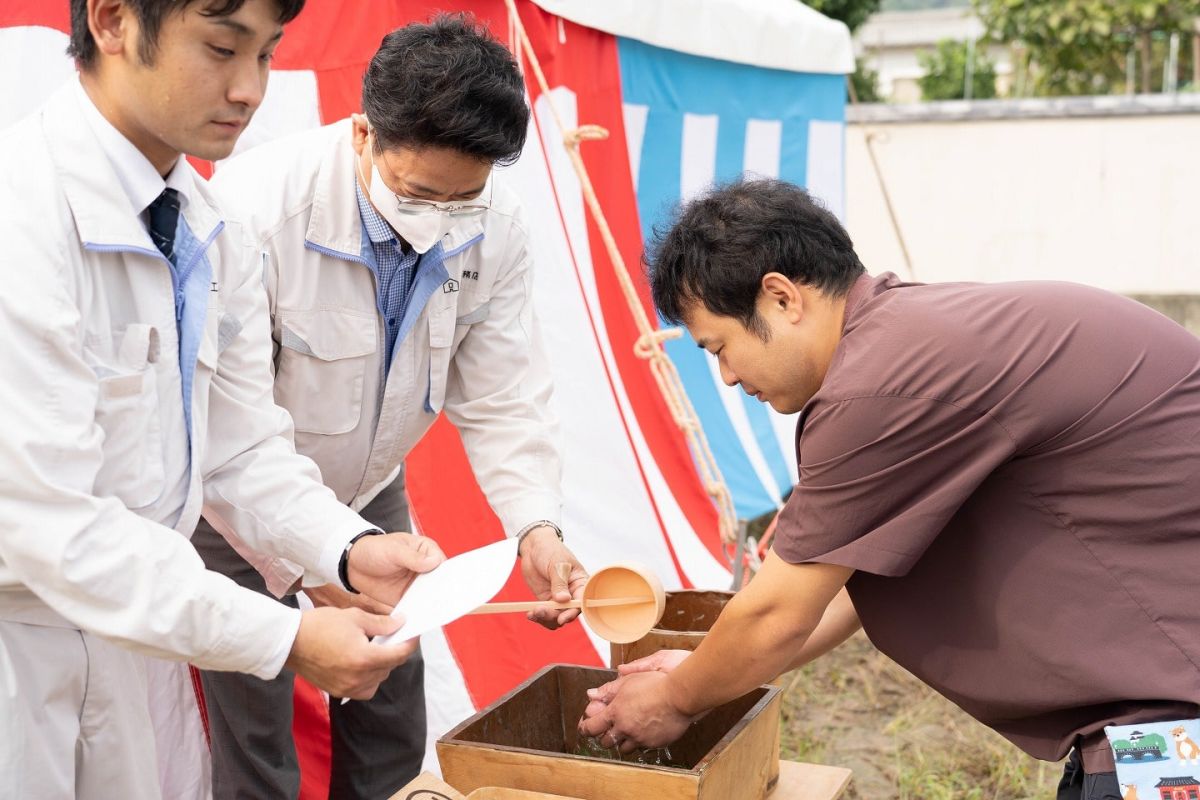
(852, 12)
(945, 75)
(921, 5)
(1082, 46)
(865, 83)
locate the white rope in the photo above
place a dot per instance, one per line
(649, 343)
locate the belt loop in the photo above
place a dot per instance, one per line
(1093, 748)
(1075, 762)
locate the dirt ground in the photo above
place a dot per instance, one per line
(855, 708)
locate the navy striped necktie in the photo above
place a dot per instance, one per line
(164, 215)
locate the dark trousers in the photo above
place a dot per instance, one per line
(378, 744)
(1079, 785)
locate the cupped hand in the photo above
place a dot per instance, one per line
(635, 711)
(661, 661)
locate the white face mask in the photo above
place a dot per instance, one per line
(422, 226)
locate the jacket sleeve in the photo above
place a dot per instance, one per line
(280, 575)
(90, 559)
(498, 397)
(258, 492)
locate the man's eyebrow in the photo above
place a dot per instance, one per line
(244, 30)
(421, 189)
(476, 191)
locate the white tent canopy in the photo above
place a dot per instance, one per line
(776, 34)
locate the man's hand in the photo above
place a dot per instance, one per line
(330, 595)
(553, 573)
(662, 661)
(382, 567)
(333, 651)
(638, 712)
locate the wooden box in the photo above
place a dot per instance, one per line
(527, 740)
(688, 617)
(796, 782)
(428, 786)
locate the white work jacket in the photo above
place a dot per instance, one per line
(470, 348)
(91, 537)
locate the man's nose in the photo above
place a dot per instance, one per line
(727, 374)
(249, 84)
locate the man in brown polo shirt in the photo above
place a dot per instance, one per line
(999, 483)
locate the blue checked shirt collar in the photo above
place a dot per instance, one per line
(394, 268)
(377, 229)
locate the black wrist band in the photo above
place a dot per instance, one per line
(344, 563)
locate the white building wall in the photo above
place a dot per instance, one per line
(1112, 201)
(889, 43)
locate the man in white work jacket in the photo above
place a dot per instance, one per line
(135, 387)
(399, 277)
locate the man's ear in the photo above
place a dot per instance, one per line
(782, 296)
(112, 25)
(359, 129)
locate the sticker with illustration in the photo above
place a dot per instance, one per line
(1157, 760)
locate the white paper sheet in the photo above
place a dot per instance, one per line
(458, 586)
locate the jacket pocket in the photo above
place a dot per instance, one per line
(441, 341)
(478, 314)
(323, 358)
(128, 413)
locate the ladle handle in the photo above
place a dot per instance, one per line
(537, 605)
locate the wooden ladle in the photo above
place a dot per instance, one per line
(621, 603)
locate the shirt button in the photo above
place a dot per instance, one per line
(392, 322)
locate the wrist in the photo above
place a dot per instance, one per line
(678, 696)
(536, 528)
(344, 562)
(295, 649)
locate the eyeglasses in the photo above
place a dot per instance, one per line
(468, 208)
(456, 210)
(453, 209)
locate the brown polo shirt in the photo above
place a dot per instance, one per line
(1014, 472)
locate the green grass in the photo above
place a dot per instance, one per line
(856, 708)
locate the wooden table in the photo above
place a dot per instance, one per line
(797, 781)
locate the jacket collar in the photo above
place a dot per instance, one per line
(336, 225)
(469, 232)
(102, 209)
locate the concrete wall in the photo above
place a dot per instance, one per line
(1183, 308)
(1104, 191)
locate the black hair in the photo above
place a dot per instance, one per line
(718, 247)
(150, 15)
(449, 84)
